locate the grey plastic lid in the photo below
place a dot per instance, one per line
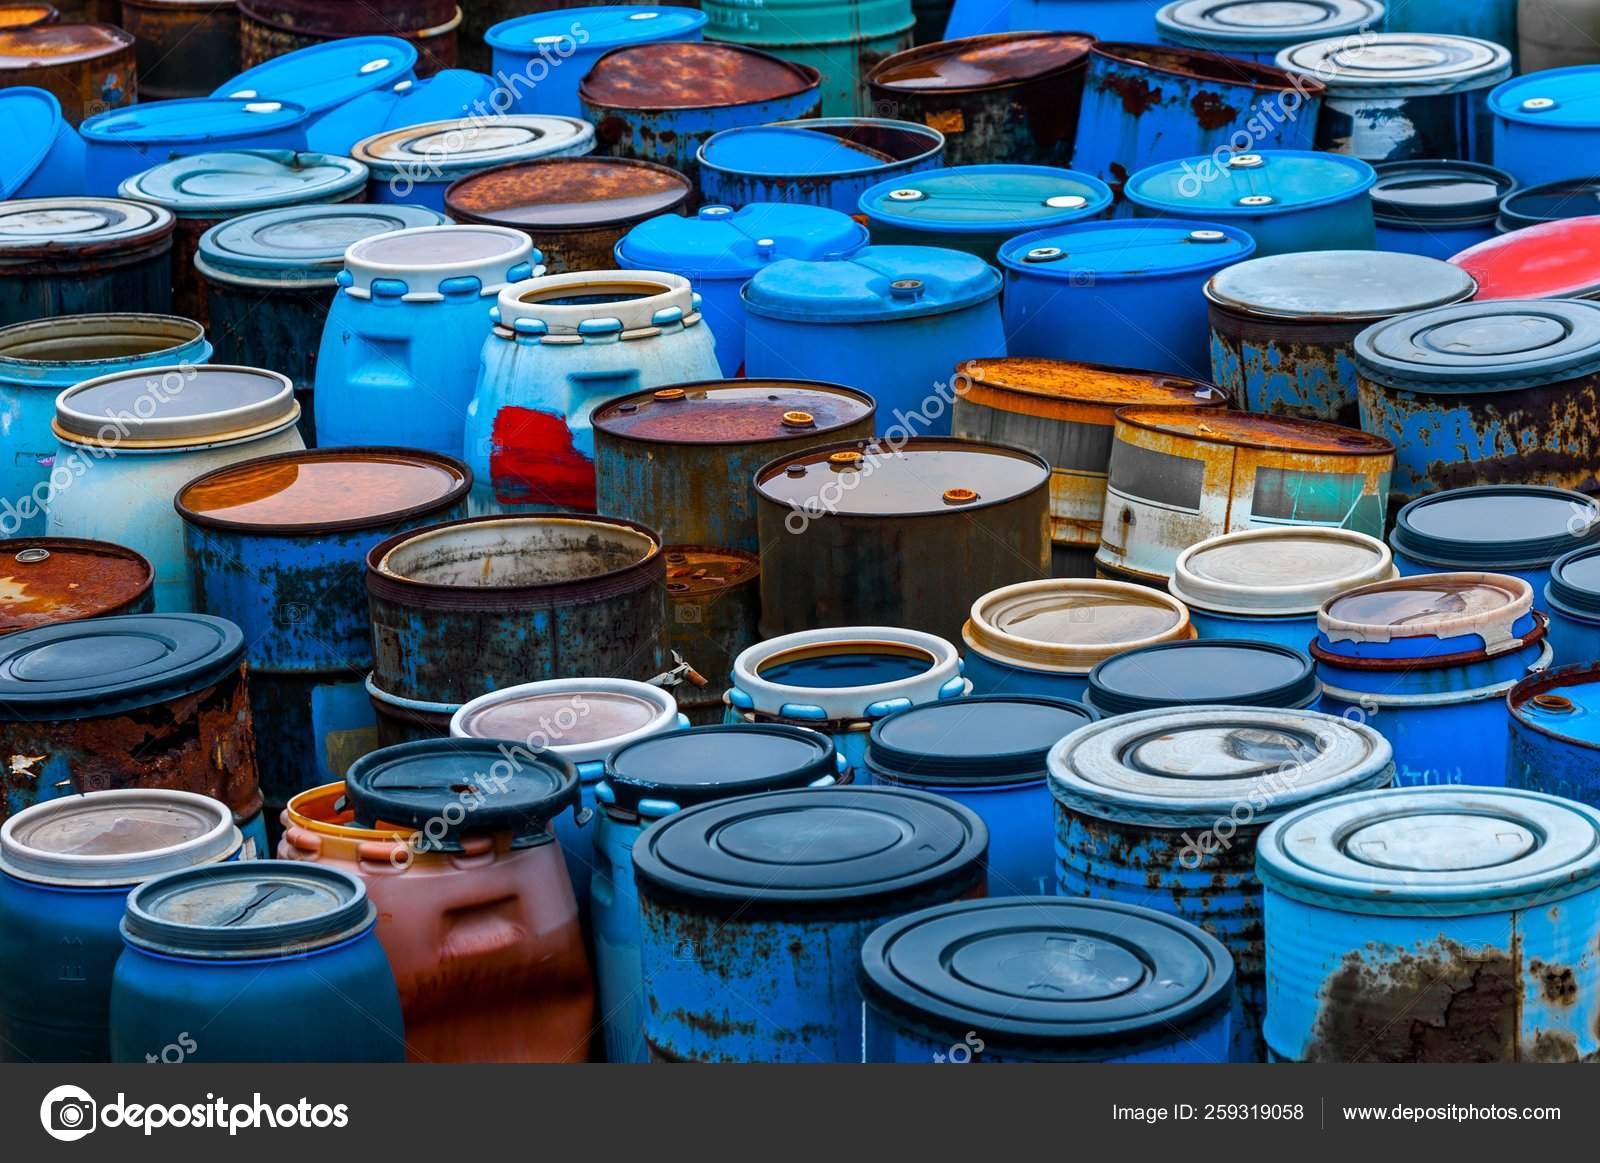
(1338, 284)
(1399, 64)
(1505, 342)
(177, 404)
(1287, 571)
(1258, 25)
(121, 837)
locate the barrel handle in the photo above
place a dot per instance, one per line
(302, 839)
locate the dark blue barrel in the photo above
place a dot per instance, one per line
(82, 256)
(46, 155)
(124, 142)
(1253, 31)
(989, 754)
(1549, 202)
(65, 871)
(1546, 125)
(754, 911)
(1232, 671)
(1572, 599)
(1435, 207)
(416, 164)
(264, 961)
(1045, 979)
(1555, 742)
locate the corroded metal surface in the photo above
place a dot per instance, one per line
(44, 580)
(714, 600)
(89, 67)
(264, 33)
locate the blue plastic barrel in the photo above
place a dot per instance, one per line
(1553, 735)
(1572, 599)
(1435, 207)
(1107, 19)
(1233, 671)
(416, 164)
(1547, 125)
(122, 142)
(1253, 31)
(1549, 202)
(83, 256)
(470, 99)
(45, 158)
(1492, 20)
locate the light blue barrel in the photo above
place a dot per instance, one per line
(966, 983)
(1253, 31)
(1554, 739)
(415, 165)
(1122, 292)
(897, 317)
(721, 249)
(1432, 925)
(1427, 660)
(46, 155)
(1572, 599)
(1164, 808)
(471, 99)
(84, 256)
(1435, 207)
(405, 330)
(753, 912)
(650, 779)
(122, 142)
(1548, 202)
(1233, 671)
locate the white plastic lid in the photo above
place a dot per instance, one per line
(116, 837)
(1277, 572)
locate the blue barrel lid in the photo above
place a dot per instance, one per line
(851, 850)
(68, 226)
(1254, 26)
(247, 910)
(1438, 192)
(1550, 202)
(604, 27)
(30, 119)
(211, 185)
(1575, 583)
(1203, 670)
(1563, 703)
(327, 75)
(1495, 527)
(679, 769)
(448, 93)
(1504, 342)
(1398, 64)
(102, 666)
(1412, 621)
(984, 199)
(723, 241)
(1433, 851)
(876, 284)
(1264, 182)
(811, 149)
(441, 151)
(192, 119)
(1047, 978)
(1129, 248)
(987, 740)
(300, 245)
(1343, 285)
(1566, 98)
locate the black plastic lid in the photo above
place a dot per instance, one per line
(1437, 192)
(991, 739)
(838, 850)
(1228, 671)
(1048, 977)
(1550, 202)
(452, 788)
(703, 764)
(1575, 581)
(103, 666)
(1495, 527)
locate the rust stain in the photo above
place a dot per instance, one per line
(1138, 95)
(983, 61)
(64, 43)
(77, 579)
(1254, 430)
(690, 75)
(559, 192)
(27, 15)
(1082, 392)
(1205, 66)
(1211, 112)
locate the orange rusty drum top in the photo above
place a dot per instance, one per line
(691, 75)
(983, 62)
(1088, 383)
(60, 579)
(57, 44)
(734, 412)
(695, 571)
(557, 192)
(1253, 430)
(26, 15)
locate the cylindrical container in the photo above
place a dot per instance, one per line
(124, 142)
(753, 911)
(1166, 807)
(1288, 200)
(265, 961)
(1550, 202)
(661, 102)
(1145, 103)
(899, 318)
(466, 98)
(562, 346)
(45, 580)
(841, 681)
(138, 701)
(83, 256)
(1431, 925)
(28, 15)
(89, 67)
(1437, 208)
(1494, 20)
(721, 248)
(127, 442)
(1553, 740)
(1121, 292)
(1546, 126)
(1044, 637)
(405, 330)
(185, 48)
(989, 754)
(275, 28)
(713, 615)
(1233, 672)
(65, 871)
(1392, 95)
(965, 983)
(1489, 392)
(681, 459)
(48, 160)
(575, 210)
(1008, 97)
(417, 164)
(829, 161)
(1108, 19)
(1253, 31)
(657, 777)
(1551, 260)
(1065, 411)
(1572, 599)
(1428, 661)
(539, 58)
(1179, 476)
(863, 534)
(1553, 34)
(1283, 328)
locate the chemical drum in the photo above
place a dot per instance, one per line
(1437, 208)
(1550, 202)
(122, 142)
(1553, 742)
(45, 580)
(184, 48)
(83, 256)
(713, 615)
(48, 157)
(1253, 31)
(271, 29)
(1547, 260)
(1236, 672)
(87, 67)
(1572, 599)
(1545, 124)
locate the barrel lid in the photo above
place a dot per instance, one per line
(302, 245)
(847, 849)
(746, 411)
(1237, 672)
(1399, 64)
(985, 198)
(52, 46)
(1508, 343)
(1338, 284)
(1126, 249)
(106, 838)
(820, 147)
(247, 909)
(423, 258)
(326, 75)
(1070, 624)
(603, 27)
(1408, 617)
(568, 193)
(45, 227)
(211, 185)
(191, 119)
(1563, 703)
(458, 93)
(30, 119)
(1550, 202)
(986, 740)
(1255, 430)
(44, 580)
(1073, 383)
(1188, 766)
(1255, 184)
(325, 490)
(1433, 851)
(1277, 572)
(691, 75)
(1495, 527)
(700, 572)
(702, 764)
(1550, 260)
(1575, 581)
(175, 406)
(720, 241)
(876, 284)
(995, 61)
(1435, 191)
(441, 150)
(82, 669)
(584, 719)
(1262, 24)
(26, 15)
(922, 476)
(1566, 98)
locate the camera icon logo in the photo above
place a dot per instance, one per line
(68, 1113)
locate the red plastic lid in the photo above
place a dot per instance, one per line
(1554, 260)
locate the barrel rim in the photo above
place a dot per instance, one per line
(625, 792)
(944, 48)
(1007, 649)
(1224, 69)
(999, 386)
(1542, 682)
(156, 236)
(665, 718)
(811, 78)
(69, 323)
(1453, 555)
(118, 40)
(1295, 693)
(1365, 173)
(86, 545)
(1156, 422)
(602, 415)
(999, 769)
(1229, 598)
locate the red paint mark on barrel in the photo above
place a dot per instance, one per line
(532, 461)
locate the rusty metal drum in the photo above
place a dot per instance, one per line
(713, 615)
(45, 580)
(89, 67)
(27, 15)
(185, 48)
(271, 28)
(418, 164)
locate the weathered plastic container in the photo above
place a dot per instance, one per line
(46, 580)
(1435, 207)
(1572, 599)
(1237, 672)
(1253, 31)
(88, 67)
(83, 256)
(1549, 260)
(1549, 202)
(1545, 124)
(48, 158)
(122, 142)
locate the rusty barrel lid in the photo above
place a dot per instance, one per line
(336, 18)
(44, 580)
(994, 61)
(60, 44)
(1065, 389)
(36, 229)
(702, 571)
(1254, 430)
(1337, 285)
(568, 193)
(1192, 64)
(692, 75)
(753, 411)
(27, 15)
